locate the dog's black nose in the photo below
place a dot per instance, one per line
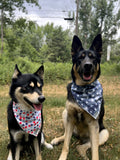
(88, 66)
(41, 99)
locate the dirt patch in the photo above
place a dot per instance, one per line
(55, 90)
(54, 121)
(111, 85)
(4, 91)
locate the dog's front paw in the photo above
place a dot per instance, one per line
(82, 149)
(10, 156)
(63, 156)
(54, 141)
(39, 157)
(49, 146)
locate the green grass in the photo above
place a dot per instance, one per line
(55, 101)
(53, 126)
(112, 122)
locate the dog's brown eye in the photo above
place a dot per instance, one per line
(83, 55)
(23, 88)
(90, 55)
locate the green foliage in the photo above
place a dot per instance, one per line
(54, 72)
(27, 39)
(30, 45)
(98, 16)
(110, 69)
(7, 68)
(115, 53)
(27, 50)
(85, 12)
(24, 40)
(57, 72)
(10, 6)
(58, 46)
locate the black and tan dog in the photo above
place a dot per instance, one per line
(84, 110)
(25, 119)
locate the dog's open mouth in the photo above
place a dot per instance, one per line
(87, 76)
(37, 107)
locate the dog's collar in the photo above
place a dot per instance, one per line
(89, 97)
(29, 121)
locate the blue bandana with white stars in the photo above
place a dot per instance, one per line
(89, 97)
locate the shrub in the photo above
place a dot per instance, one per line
(110, 69)
(54, 72)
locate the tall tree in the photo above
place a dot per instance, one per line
(85, 15)
(58, 45)
(9, 6)
(24, 39)
(98, 16)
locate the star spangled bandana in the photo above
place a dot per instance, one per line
(89, 97)
(29, 121)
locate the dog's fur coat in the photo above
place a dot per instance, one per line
(85, 70)
(26, 90)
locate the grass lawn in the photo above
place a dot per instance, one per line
(53, 126)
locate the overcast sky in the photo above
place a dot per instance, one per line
(51, 11)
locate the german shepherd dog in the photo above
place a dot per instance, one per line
(83, 115)
(24, 113)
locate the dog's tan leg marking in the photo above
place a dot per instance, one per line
(10, 155)
(94, 139)
(103, 137)
(68, 134)
(58, 140)
(69, 126)
(82, 150)
(94, 135)
(17, 154)
(37, 151)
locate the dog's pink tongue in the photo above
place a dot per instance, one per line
(37, 107)
(87, 78)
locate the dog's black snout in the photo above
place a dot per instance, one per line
(88, 66)
(41, 99)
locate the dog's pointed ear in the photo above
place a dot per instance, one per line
(76, 45)
(40, 72)
(16, 73)
(97, 44)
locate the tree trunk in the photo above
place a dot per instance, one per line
(76, 23)
(1, 31)
(108, 52)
